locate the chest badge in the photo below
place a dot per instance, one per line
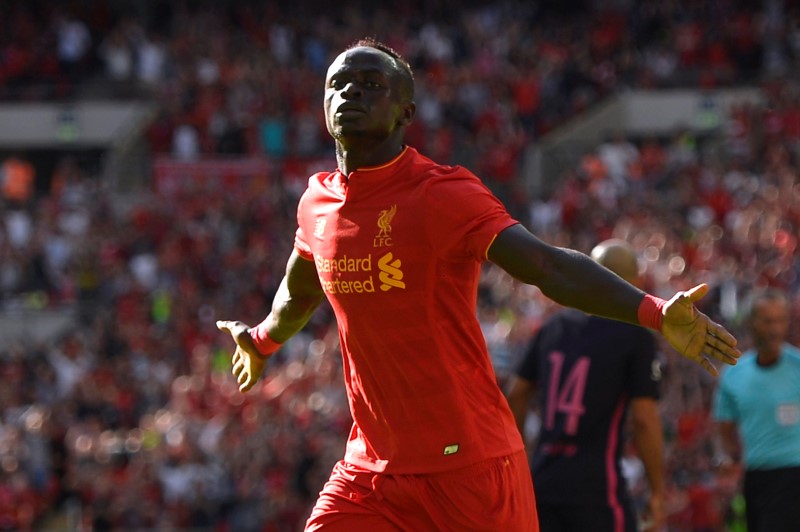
(384, 236)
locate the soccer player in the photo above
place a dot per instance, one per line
(590, 372)
(759, 400)
(395, 241)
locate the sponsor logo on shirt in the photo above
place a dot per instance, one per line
(384, 236)
(391, 275)
(354, 275)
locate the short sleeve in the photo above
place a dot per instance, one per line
(724, 406)
(301, 244)
(463, 217)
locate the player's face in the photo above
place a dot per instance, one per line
(770, 325)
(363, 97)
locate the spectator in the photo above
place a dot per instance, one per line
(17, 177)
(117, 55)
(620, 157)
(151, 59)
(74, 44)
(186, 142)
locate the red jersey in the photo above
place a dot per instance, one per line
(398, 250)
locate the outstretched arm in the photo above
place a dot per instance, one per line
(564, 275)
(573, 279)
(295, 301)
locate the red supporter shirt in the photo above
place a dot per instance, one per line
(398, 250)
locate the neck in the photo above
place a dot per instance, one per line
(351, 158)
(767, 358)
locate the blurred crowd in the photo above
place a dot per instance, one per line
(132, 420)
(246, 77)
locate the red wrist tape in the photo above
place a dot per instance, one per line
(265, 345)
(650, 311)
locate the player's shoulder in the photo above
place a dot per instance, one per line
(322, 184)
(436, 173)
(322, 178)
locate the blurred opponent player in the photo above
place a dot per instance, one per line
(590, 373)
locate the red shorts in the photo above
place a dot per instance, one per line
(496, 494)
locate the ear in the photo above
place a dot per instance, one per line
(409, 109)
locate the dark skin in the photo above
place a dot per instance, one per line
(368, 106)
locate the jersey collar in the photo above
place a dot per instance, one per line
(381, 171)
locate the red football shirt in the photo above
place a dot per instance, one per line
(398, 250)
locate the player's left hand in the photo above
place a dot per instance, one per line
(694, 335)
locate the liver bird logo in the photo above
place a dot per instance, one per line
(385, 221)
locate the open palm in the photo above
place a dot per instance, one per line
(693, 334)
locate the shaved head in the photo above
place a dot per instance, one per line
(619, 257)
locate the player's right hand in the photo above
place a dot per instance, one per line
(247, 363)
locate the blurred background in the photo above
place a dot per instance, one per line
(151, 156)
